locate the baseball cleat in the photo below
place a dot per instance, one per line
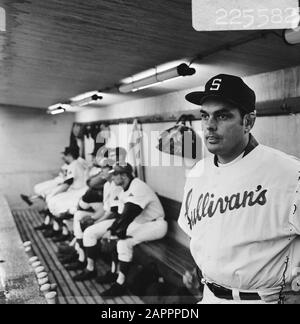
(61, 238)
(109, 277)
(75, 266)
(114, 291)
(64, 247)
(66, 252)
(67, 259)
(66, 216)
(43, 227)
(85, 275)
(51, 233)
(26, 199)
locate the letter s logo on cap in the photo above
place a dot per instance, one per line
(216, 85)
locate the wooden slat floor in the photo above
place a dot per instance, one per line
(69, 292)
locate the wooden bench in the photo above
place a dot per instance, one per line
(171, 254)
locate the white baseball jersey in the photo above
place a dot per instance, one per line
(244, 219)
(76, 171)
(110, 195)
(62, 174)
(139, 193)
(93, 171)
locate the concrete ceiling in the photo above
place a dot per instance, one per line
(53, 50)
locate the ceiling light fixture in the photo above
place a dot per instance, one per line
(170, 74)
(56, 111)
(86, 100)
(59, 105)
(78, 101)
(292, 36)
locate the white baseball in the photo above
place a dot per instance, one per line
(51, 297)
(33, 259)
(42, 275)
(45, 288)
(43, 281)
(36, 264)
(39, 270)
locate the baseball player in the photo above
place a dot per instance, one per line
(105, 211)
(53, 189)
(92, 170)
(141, 219)
(69, 193)
(241, 204)
(45, 188)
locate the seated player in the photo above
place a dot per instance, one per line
(43, 189)
(59, 188)
(92, 170)
(102, 218)
(69, 192)
(141, 219)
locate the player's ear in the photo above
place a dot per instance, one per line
(249, 121)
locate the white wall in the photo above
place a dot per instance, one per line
(280, 132)
(30, 146)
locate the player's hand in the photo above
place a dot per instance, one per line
(107, 236)
(86, 222)
(86, 218)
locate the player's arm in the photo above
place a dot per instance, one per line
(60, 189)
(130, 212)
(110, 214)
(96, 182)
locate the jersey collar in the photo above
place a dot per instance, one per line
(249, 148)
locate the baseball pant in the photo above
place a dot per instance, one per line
(95, 232)
(78, 216)
(65, 202)
(140, 233)
(84, 206)
(45, 188)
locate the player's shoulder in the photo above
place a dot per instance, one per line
(137, 184)
(81, 163)
(140, 187)
(280, 159)
(108, 185)
(199, 167)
